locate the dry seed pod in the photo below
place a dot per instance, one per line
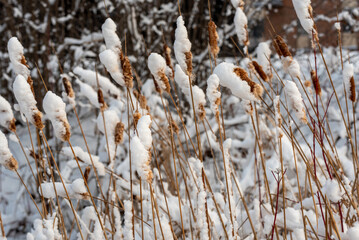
(349, 84)
(258, 68)
(127, 72)
(213, 38)
(282, 47)
(316, 84)
(119, 130)
(101, 100)
(167, 52)
(157, 66)
(136, 116)
(68, 87)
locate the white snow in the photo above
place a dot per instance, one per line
(348, 73)
(240, 24)
(76, 189)
(6, 114)
(87, 91)
(213, 93)
(111, 38)
(332, 190)
(291, 66)
(295, 100)
(6, 157)
(181, 44)
(55, 110)
(157, 65)
(111, 60)
(16, 53)
(302, 8)
(263, 57)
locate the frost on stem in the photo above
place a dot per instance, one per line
(7, 119)
(263, 58)
(182, 47)
(295, 100)
(349, 84)
(54, 108)
(141, 148)
(17, 58)
(199, 98)
(27, 102)
(240, 24)
(237, 80)
(76, 189)
(157, 65)
(6, 158)
(213, 94)
(84, 157)
(305, 15)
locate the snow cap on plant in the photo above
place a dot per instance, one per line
(182, 47)
(7, 119)
(157, 65)
(240, 24)
(17, 58)
(263, 58)
(111, 38)
(295, 100)
(111, 60)
(54, 108)
(26, 101)
(237, 80)
(305, 15)
(213, 94)
(68, 89)
(6, 158)
(348, 75)
(316, 84)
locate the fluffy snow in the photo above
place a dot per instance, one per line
(111, 38)
(348, 73)
(182, 44)
(6, 114)
(263, 56)
(16, 55)
(295, 100)
(240, 24)
(6, 157)
(111, 60)
(157, 65)
(238, 87)
(213, 94)
(87, 91)
(55, 110)
(291, 66)
(332, 190)
(303, 8)
(144, 131)
(76, 189)
(45, 229)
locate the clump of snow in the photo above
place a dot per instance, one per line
(263, 57)
(240, 24)
(55, 110)
(182, 45)
(6, 114)
(337, 26)
(295, 100)
(291, 66)
(111, 60)
(352, 233)
(6, 158)
(213, 94)
(348, 73)
(26, 100)
(332, 190)
(240, 88)
(111, 38)
(87, 91)
(75, 190)
(127, 231)
(16, 55)
(304, 11)
(45, 229)
(84, 156)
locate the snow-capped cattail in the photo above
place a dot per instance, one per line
(136, 116)
(7, 119)
(127, 72)
(237, 80)
(258, 68)
(263, 58)
(111, 60)
(237, 3)
(167, 52)
(291, 67)
(304, 12)
(213, 94)
(111, 38)
(17, 58)
(27, 102)
(348, 75)
(199, 98)
(6, 158)
(54, 108)
(119, 130)
(182, 47)
(213, 38)
(295, 100)
(101, 100)
(281, 47)
(240, 24)
(316, 84)
(157, 66)
(68, 89)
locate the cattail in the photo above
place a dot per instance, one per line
(157, 66)
(113, 65)
(54, 108)
(17, 58)
(6, 158)
(263, 58)
(136, 116)
(167, 52)
(127, 72)
(182, 47)
(316, 84)
(101, 100)
(295, 100)
(27, 102)
(240, 24)
(174, 126)
(213, 38)
(278, 116)
(281, 47)
(7, 119)
(348, 75)
(87, 173)
(305, 15)
(213, 94)
(237, 80)
(258, 68)
(68, 87)
(119, 130)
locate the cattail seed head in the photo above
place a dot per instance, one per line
(127, 72)
(352, 95)
(189, 62)
(68, 87)
(11, 164)
(281, 47)
(258, 68)
(316, 84)
(119, 130)
(12, 126)
(167, 52)
(101, 100)
(37, 116)
(213, 38)
(136, 116)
